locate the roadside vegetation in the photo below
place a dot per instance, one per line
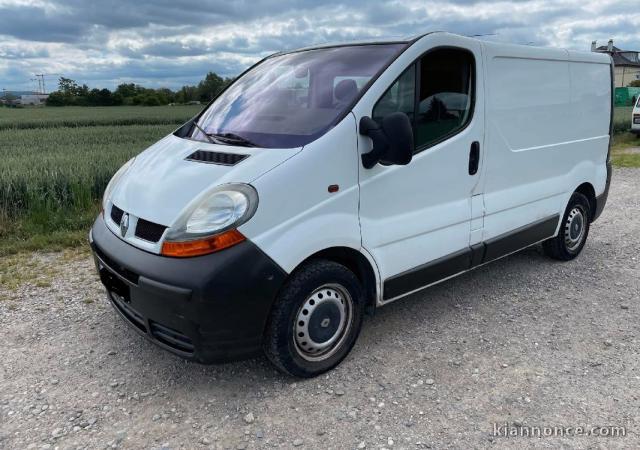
(56, 162)
(52, 176)
(625, 151)
(78, 116)
(70, 93)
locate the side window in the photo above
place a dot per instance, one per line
(401, 96)
(445, 102)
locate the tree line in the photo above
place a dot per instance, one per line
(70, 93)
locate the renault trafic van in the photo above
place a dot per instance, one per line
(336, 179)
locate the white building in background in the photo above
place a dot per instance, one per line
(33, 100)
(626, 62)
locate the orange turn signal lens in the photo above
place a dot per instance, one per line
(204, 246)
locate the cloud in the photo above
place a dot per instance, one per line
(173, 42)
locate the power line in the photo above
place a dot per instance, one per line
(40, 77)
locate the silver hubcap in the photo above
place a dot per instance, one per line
(574, 228)
(323, 322)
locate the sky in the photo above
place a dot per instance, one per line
(170, 43)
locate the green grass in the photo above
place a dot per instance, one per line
(45, 170)
(52, 178)
(624, 151)
(78, 116)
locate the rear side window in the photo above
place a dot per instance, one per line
(444, 80)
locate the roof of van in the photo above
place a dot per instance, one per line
(370, 41)
(571, 54)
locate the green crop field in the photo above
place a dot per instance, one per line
(78, 116)
(56, 163)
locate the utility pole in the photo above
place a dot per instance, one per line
(41, 87)
(41, 81)
(37, 89)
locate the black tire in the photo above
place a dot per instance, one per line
(570, 240)
(326, 285)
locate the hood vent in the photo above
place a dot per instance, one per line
(224, 159)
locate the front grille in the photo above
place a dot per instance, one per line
(224, 159)
(170, 337)
(116, 214)
(149, 231)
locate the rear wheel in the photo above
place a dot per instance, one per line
(573, 232)
(316, 319)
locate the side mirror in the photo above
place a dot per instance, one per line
(392, 140)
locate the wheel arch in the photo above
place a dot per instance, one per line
(588, 191)
(355, 261)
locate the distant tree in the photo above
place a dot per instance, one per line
(71, 93)
(56, 98)
(100, 97)
(211, 86)
(166, 95)
(186, 94)
(69, 87)
(127, 90)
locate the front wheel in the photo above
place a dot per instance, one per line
(574, 229)
(316, 319)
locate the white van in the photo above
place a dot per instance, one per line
(635, 118)
(331, 180)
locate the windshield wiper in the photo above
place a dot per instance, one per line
(207, 135)
(232, 138)
(225, 138)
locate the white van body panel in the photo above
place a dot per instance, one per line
(297, 216)
(548, 115)
(161, 182)
(415, 213)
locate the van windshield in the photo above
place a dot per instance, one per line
(290, 100)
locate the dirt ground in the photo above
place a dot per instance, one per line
(525, 341)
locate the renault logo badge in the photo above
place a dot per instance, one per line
(124, 224)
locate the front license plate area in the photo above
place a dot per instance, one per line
(114, 285)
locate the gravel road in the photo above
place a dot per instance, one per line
(524, 341)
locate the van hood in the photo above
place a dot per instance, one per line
(161, 182)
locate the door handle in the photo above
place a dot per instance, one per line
(474, 157)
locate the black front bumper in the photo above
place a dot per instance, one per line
(210, 308)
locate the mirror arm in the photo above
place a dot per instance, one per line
(369, 127)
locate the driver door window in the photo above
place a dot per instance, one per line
(444, 104)
(399, 97)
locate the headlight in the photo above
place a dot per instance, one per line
(225, 207)
(114, 181)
